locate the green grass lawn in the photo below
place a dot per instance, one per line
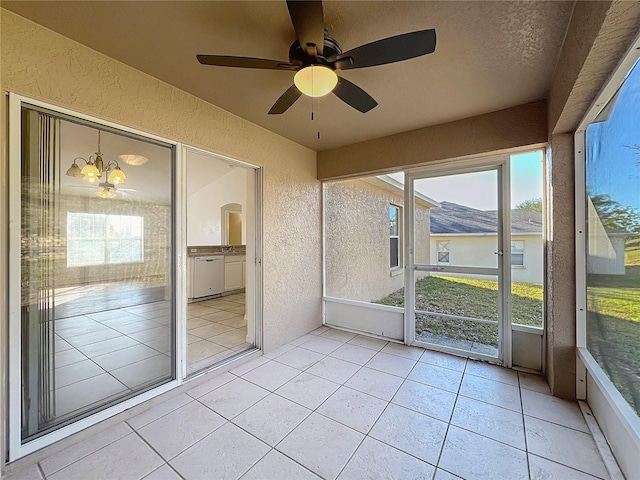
(632, 252)
(613, 329)
(467, 297)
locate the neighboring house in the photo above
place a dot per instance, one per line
(464, 236)
(363, 235)
(606, 246)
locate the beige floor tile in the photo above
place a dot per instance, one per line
(272, 418)
(175, 432)
(334, 369)
(368, 342)
(275, 466)
(411, 432)
(473, 456)
(436, 376)
(227, 453)
(392, 364)
(128, 457)
(564, 445)
(321, 445)
(440, 359)
(233, 398)
(375, 460)
(376, 383)
(425, 399)
(159, 410)
(497, 423)
(496, 393)
(553, 409)
(149, 370)
(352, 408)
(308, 390)
(492, 372)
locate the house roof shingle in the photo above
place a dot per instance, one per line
(454, 218)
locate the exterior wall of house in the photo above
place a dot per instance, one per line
(44, 65)
(478, 251)
(606, 252)
(357, 240)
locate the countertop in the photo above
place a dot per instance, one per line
(215, 250)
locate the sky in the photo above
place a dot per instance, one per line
(612, 162)
(479, 189)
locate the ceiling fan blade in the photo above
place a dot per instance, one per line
(287, 99)
(354, 96)
(244, 62)
(308, 22)
(389, 50)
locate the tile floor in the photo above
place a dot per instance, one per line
(216, 329)
(335, 405)
(99, 356)
(106, 355)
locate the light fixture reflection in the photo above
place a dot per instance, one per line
(131, 159)
(316, 80)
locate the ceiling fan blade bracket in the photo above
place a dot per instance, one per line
(343, 63)
(308, 22)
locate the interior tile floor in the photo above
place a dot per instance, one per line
(216, 330)
(332, 404)
(107, 355)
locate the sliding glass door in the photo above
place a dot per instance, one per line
(96, 321)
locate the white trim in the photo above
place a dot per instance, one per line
(358, 303)
(619, 406)
(518, 327)
(409, 261)
(16, 448)
(499, 163)
(581, 239)
(610, 408)
(14, 352)
(75, 427)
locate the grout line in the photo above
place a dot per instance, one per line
(166, 462)
(41, 471)
(455, 403)
(524, 426)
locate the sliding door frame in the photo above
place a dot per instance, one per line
(16, 448)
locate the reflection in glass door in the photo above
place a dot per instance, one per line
(456, 280)
(96, 241)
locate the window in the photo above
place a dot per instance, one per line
(612, 243)
(99, 239)
(394, 236)
(443, 253)
(517, 253)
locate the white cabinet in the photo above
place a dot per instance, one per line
(234, 266)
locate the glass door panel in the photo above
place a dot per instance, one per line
(97, 270)
(457, 284)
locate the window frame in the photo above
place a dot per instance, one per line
(619, 423)
(447, 251)
(517, 252)
(105, 239)
(397, 237)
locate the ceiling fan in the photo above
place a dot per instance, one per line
(315, 56)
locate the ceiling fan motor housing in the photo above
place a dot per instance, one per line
(331, 49)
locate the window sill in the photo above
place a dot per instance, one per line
(396, 271)
(518, 267)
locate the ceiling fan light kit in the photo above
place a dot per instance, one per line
(315, 80)
(315, 56)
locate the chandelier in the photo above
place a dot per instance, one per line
(95, 169)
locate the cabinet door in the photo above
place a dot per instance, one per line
(232, 276)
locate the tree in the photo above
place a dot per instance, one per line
(616, 217)
(532, 205)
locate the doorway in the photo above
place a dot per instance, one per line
(221, 215)
(457, 290)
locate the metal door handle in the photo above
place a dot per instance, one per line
(499, 253)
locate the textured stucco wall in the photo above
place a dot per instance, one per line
(561, 270)
(44, 65)
(597, 37)
(357, 240)
(510, 128)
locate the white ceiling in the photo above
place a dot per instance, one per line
(489, 56)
